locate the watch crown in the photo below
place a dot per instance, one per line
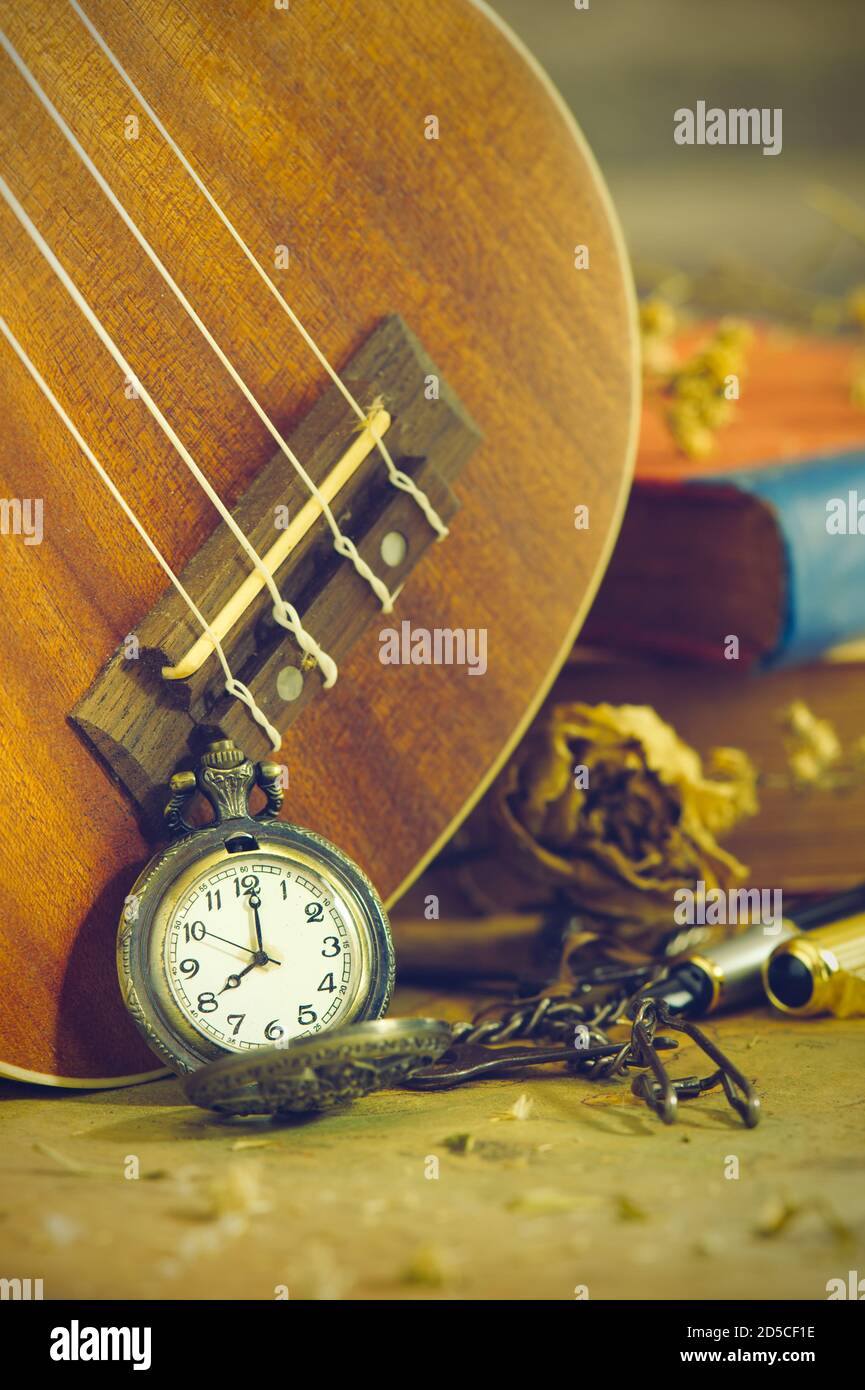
(224, 753)
(225, 778)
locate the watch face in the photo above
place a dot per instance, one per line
(264, 948)
(242, 936)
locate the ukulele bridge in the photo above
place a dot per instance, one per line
(374, 429)
(144, 711)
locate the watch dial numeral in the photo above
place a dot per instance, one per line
(190, 968)
(214, 898)
(306, 1015)
(327, 985)
(249, 883)
(207, 1003)
(236, 1019)
(274, 1030)
(331, 941)
(314, 912)
(196, 932)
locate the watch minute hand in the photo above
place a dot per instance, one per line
(236, 944)
(248, 949)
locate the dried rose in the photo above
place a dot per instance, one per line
(609, 805)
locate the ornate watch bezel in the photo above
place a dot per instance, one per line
(142, 971)
(314, 1074)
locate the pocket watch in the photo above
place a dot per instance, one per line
(248, 932)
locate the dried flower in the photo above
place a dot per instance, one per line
(658, 323)
(699, 402)
(812, 745)
(608, 805)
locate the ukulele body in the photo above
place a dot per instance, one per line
(310, 126)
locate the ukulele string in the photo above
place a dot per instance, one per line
(398, 478)
(234, 687)
(283, 611)
(342, 544)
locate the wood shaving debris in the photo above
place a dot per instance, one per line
(91, 1170)
(709, 1244)
(544, 1201)
(628, 1210)
(779, 1212)
(459, 1143)
(430, 1265)
(235, 1191)
(616, 1099)
(238, 1189)
(223, 1205)
(192, 1246)
(71, 1165)
(775, 1216)
(325, 1278)
(491, 1149)
(61, 1230)
(522, 1109)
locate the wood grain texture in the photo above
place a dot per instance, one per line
(309, 126)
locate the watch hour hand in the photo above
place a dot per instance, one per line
(260, 959)
(234, 980)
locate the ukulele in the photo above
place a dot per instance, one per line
(319, 400)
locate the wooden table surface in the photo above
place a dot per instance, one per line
(588, 1191)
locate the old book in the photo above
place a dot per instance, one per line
(763, 541)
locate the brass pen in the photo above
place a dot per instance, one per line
(820, 972)
(732, 973)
